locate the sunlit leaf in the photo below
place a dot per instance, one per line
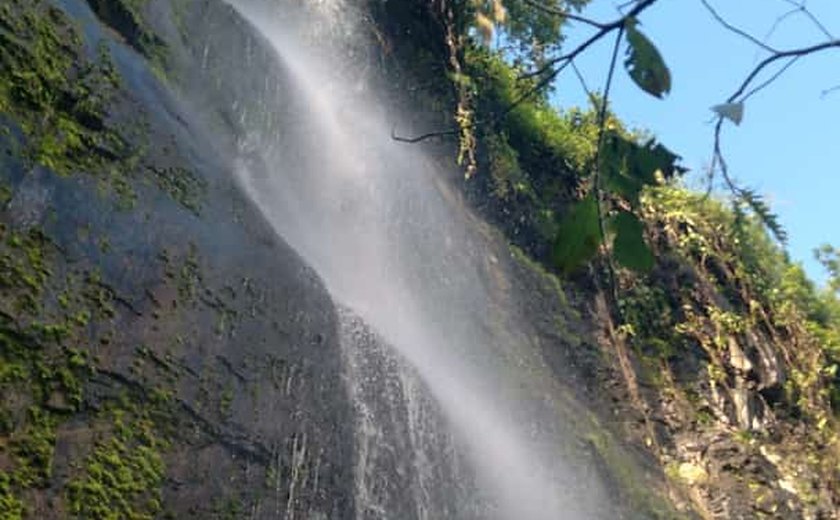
(644, 63)
(629, 247)
(578, 236)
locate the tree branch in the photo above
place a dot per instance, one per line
(422, 137)
(800, 7)
(596, 175)
(798, 53)
(734, 29)
(563, 14)
(605, 29)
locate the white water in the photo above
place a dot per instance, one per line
(373, 219)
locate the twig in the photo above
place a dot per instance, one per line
(547, 73)
(732, 28)
(804, 51)
(778, 22)
(771, 79)
(563, 14)
(605, 29)
(800, 7)
(596, 175)
(422, 137)
(828, 91)
(582, 82)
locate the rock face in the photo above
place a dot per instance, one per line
(163, 352)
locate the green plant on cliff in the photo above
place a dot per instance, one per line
(620, 167)
(54, 93)
(123, 475)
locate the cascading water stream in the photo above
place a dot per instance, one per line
(467, 394)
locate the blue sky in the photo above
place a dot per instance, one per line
(788, 145)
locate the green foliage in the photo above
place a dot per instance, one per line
(54, 92)
(11, 508)
(532, 34)
(536, 152)
(537, 131)
(628, 167)
(756, 203)
(123, 476)
(629, 247)
(32, 450)
(578, 237)
(829, 257)
(644, 63)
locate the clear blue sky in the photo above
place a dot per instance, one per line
(788, 145)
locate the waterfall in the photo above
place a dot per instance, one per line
(456, 412)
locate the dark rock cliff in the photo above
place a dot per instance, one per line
(162, 351)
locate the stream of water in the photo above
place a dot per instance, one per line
(455, 416)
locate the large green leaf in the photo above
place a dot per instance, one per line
(629, 248)
(628, 167)
(578, 236)
(644, 63)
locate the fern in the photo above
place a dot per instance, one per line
(756, 203)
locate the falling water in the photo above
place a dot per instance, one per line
(456, 411)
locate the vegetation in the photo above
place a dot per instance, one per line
(720, 337)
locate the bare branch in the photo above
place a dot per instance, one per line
(563, 60)
(771, 79)
(800, 7)
(804, 51)
(778, 22)
(563, 14)
(582, 81)
(546, 73)
(830, 90)
(596, 175)
(422, 137)
(732, 28)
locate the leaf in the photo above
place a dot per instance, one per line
(578, 236)
(732, 111)
(628, 167)
(629, 248)
(765, 215)
(644, 63)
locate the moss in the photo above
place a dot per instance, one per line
(32, 450)
(183, 185)
(60, 99)
(226, 509)
(11, 508)
(123, 476)
(55, 93)
(625, 470)
(226, 400)
(126, 17)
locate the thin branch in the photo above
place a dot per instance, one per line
(582, 82)
(778, 22)
(422, 137)
(771, 79)
(546, 73)
(828, 91)
(718, 158)
(596, 175)
(732, 28)
(804, 51)
(563, 14)
(800, 7)
(605, 29)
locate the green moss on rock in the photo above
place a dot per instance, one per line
(123, 476)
